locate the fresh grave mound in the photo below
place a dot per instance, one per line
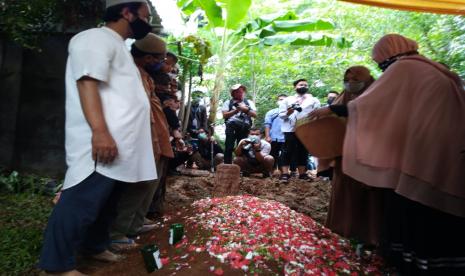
(260, 236)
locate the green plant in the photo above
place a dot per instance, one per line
(27, 183)
(22, 220)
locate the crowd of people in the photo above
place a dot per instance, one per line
(123, 137)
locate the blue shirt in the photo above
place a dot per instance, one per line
(273, 121)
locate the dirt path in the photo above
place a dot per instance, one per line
(308, 198)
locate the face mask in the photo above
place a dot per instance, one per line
(385, 64)
(202, 136)
(302, 90)
(139, 28)
(354, 87)
(153, 68)
(330, 100)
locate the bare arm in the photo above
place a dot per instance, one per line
(238, 150)
(103, 145)
(229, 114)
(267, 134)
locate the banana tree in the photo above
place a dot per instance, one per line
(232, 36)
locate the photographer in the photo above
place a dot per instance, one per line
(253, 154)
(237, 113)
(291, 109)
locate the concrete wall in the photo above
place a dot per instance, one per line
(32, 98)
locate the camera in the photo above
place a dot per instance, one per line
(296, 107)
(236, 105)
(249, 143)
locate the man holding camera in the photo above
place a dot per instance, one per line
(253, 154)
(237, 113)
(291, 109)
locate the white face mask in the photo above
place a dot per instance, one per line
(354, 87)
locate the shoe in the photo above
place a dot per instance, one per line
(293, 174)
(123, 244)
(245, 174)
(284, 178)
(108, 256)
(266, 175)
(305, 176)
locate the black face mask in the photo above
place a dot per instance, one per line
(139, 28)
(386, 63)
(302, 90)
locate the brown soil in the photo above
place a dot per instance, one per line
(305, 197)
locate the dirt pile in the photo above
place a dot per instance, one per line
(310, 198)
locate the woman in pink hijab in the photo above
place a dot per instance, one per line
(406, 133)
(355, 209)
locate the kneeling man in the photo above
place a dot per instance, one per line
(253, 154)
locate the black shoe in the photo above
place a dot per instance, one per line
(245, 174)
(305, 176)
(284, 178)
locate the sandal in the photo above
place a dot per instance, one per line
(123, 244)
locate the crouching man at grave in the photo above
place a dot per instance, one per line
(253, 155)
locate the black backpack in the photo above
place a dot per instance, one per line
(240, 121)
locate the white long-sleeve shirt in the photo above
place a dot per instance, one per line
(306, 101)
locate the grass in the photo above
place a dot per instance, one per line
(23, 217)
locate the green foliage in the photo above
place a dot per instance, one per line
(22, 220)
(269, 71)
(27, 183)
(25, 21)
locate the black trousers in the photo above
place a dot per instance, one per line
(81, 220)
(293, 150)
(276, 151)
(233, 136)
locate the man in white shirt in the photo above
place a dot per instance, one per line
(290, 110)
(253, 154)
(108, 140)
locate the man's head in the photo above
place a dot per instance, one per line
(172, 102)
(202, 134)
(149, 52)
(238, 91)
(196, 97)
(170, 64)
(301, 86)
(331, 96)
(281, 98)
(255, 131)
(132, 17)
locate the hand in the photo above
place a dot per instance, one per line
(320, 112)
(242, 107)
(290, 110)
(256, 146)
(104, 148)
(268, 139)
